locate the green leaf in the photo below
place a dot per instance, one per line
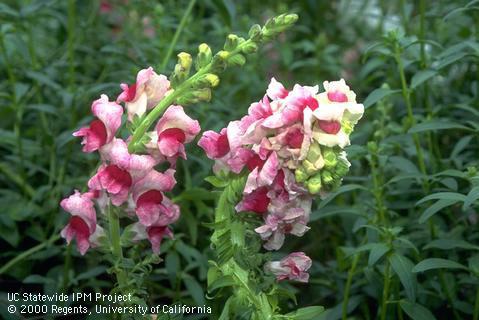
(195, 289)
(437, 263)
(216, 182)
(91, 273)
(342, 189)
(43, 79)
(307, 313)
(416, 311)
(377, 251)
(377, 95)
(436, 207)
(403, 267)
(421, 77)
(432, 125)
(225, 281)
(173, 267)
(35, 278)
(449, 244)
(443, 196)
(471, 197)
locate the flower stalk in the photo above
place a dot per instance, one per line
(116, 249)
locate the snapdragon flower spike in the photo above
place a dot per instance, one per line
(148, 90)
(103, 129)
(82, 225)
(292, 267)
(290, 143)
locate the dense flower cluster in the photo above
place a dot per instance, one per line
(130, 180)
(291, 145)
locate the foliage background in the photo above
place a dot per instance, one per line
(411, 195)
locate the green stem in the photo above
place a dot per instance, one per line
(114, 225)
(387, 282)
(378, 189)
(71, 43)
(412, 121)
(442, 280)
(347, 289)
(17, 179)
(177, 35)
(29, 252)
(476, 306)
(17, 107)
(186, 86)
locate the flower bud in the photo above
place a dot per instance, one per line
(314, 152)
(204, 56)
(237, 60)
(314, 184)
(250, 47)
(184, 60)
(255, 32)
(309, 167)
(223, 55)
(330, 158)
(213, 79)
(327, 177)
(203, 94)
(300, 175)
(341, 168)
(231, 43)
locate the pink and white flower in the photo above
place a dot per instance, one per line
(103, 129)
(148, 90)
(154, 234)
(152, 206)
(82, 225)
(120, 170)
(173, 130)
(292, 267)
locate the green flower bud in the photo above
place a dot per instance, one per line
(314, 152)
(327, 177)
(204, 56)
(300, 175)
(231, 42)
(184, 60)
(223, 55)
(314, 184)
(309, 167)
(237, 60)
(341, 168)
(330, 158)
(347, 126)
(213, 79)
(278, 24)
(250, 47)
(255, 32)
(203, 94)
